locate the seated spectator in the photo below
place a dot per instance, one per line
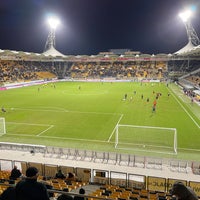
(31, 189)
(183, 192)
(81, 191)
(71, 177)
(15, 173)
(65, 197)
(59, 174)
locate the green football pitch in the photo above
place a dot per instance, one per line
(84, 115)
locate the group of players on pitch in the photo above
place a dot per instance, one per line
(147, 100)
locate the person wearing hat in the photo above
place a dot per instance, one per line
(81, 192)
(31, 189)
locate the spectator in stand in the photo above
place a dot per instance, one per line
(60, 174)
(15, 173)
(30, 189)
(82, 192)
(71, 177)
(182, 192)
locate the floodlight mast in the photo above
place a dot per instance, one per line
(53, 23)
(191, 33)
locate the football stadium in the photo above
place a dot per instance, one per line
(126, 123)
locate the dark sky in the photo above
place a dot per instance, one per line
(92, 26)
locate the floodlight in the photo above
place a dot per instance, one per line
(191, 33)
(53, 22)
(185, 16)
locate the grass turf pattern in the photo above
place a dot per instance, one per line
(84, 114)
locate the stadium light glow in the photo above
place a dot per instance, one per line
(186, 15)
(53, 22)
(193, 39)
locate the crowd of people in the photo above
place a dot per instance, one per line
(29, 188)
(195, 79)
(11, 71)
(118, 70)
(19, 71)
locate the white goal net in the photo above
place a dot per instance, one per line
(2, 126)
(146, 138)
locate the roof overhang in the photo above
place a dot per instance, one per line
(53, 52)
(185, 49)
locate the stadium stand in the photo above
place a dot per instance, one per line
(18, 71)
(149, 179)
(103, 174)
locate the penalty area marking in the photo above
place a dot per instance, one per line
(30, 124)
(51, 126)
(115, 128)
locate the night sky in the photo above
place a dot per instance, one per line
(92, 26)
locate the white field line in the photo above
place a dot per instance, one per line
(63, 110)
(198, 150)
(143, 144)
(190, 106)
(181, 97)
(76, 139)
(51, 126)
(186, 101)
(28, 124)
(100, 141)
(38, 109)
(185, 109)
(147, 127)
(160, 152)
(63, 138)
(114, 128)
(45, 130)
(16, 134)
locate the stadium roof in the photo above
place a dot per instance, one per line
(192, 51)
(53, 55)
(185, 49)
(53, 52)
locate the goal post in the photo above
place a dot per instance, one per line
(146, 138)
(2, 126)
